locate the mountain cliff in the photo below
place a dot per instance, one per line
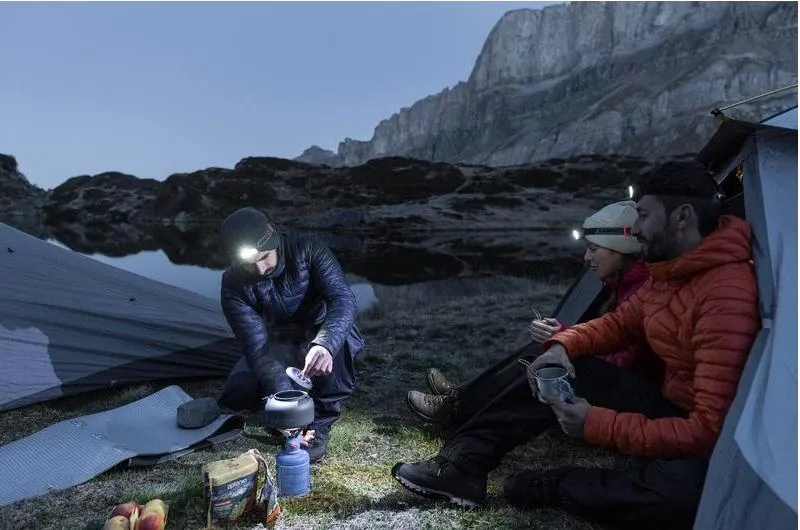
(629, 78)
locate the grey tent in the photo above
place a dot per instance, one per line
(70, 324)
(752, 479)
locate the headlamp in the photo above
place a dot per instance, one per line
(581, 233)
(630, 191)
(246, 253)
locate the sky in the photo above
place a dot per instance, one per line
(153, 89)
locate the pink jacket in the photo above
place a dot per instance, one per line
(635, 357)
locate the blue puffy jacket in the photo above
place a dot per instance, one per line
(307, 293)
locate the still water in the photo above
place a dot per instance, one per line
(157, 266)
(433, 267)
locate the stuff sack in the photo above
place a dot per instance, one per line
(235, 487)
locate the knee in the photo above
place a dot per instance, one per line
(241, 392)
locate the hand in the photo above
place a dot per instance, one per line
(306, 438)
(543, 329)
(556, 354)
(319, 361)
(572, 416)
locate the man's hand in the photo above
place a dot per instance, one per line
(555, 355)
(307, 437)
(543, 329)
(572, 416)
(319, 361)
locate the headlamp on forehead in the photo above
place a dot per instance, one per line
(247, 253)
(630, 191)
(581, 233)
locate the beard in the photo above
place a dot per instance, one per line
(662, 246)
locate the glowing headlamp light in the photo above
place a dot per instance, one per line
(630, 191)
(581, 233)
(246, 253)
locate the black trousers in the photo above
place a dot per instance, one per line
(245, 391)
(657, 494)
(474, 394)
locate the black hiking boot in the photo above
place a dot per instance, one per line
(438, 383)
(530, 489)
(437, 478)
(317, 448)
(434, 409)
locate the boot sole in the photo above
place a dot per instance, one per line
(435, 494)
(422, 416)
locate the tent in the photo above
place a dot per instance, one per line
(752, 478)
(70, 324)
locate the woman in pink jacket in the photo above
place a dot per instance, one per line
(615, 255)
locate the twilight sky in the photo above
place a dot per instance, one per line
(157, 88)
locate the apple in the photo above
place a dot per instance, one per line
(118, 522)
(155, 506)
(126, 510)
(151, 521)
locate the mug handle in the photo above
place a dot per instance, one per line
(565, 391)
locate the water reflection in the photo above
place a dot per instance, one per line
(387, 259)
(382, 268)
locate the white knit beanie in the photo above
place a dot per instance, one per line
(618, 215)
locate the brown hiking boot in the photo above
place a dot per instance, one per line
(438, 383)
(434, 409)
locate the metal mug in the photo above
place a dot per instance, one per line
(552, 384)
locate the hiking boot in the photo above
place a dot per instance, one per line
(434, 409)
(534, 489)
(438, 383)
(437, 478)
(317, 448)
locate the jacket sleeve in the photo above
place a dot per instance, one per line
(247, 325)
(341, 307)
(611, 332)
(727, 324)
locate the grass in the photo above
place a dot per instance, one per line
(353, 488)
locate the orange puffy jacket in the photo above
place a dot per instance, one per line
(699, 313)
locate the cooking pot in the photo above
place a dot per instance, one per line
(289, 409)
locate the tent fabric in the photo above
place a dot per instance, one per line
(70, 324)
(767, 435)
(752, 477)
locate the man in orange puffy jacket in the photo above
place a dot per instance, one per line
(699, 314)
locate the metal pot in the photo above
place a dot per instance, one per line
(289, 409)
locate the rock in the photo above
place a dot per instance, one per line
(626, 78)
(20, 201)
(319, 156)
(387, 195)
(109, 197)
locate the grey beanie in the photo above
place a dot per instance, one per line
(620, 215)
(251, 227)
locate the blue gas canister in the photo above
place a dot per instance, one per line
(293, 469)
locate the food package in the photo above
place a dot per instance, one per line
(235, 487)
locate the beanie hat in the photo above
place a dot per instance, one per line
(610, 228)
(249, 227)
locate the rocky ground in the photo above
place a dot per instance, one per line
(420, 220)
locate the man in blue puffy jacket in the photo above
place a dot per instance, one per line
(288, 303)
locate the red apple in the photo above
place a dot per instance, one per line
(118, 522)
(151, 521)
(126, 510)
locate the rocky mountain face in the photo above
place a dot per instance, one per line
(627, 78)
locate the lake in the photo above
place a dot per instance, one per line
(430, 266)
